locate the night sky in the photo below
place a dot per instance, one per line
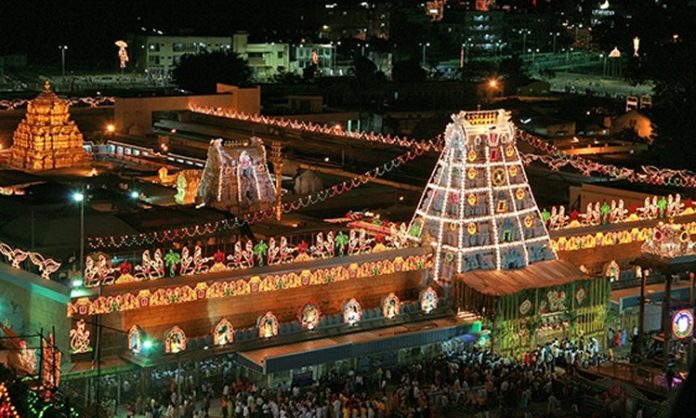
(89, 28)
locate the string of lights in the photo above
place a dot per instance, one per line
(74, 101)
(553, 158)
(209, 228)
(434, 144)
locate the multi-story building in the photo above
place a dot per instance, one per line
(525, 31)
(321, 55)
(361, 21)
(481, 31)
(265, 59)
(157, 55)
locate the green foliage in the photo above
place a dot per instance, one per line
(408, 71)
(514, 74)
(309, 72)
(365, 72)
(200, 73)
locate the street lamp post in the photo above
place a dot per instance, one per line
(524, 33)
(62, 48)
(79, 197)
(423, 45)
(604, 68)
(554, 34)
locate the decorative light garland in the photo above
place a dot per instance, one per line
(606, 239)
(89, 101)
(7, 409)
(144, 298)
(556, 160)
(17, 256)
(100, 270)
(434, 144)
(209, 228)
(603, 213)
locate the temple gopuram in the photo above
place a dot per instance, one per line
(46, 138)
(491, 245)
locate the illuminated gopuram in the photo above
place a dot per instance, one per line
(477, 210)
(46, 138)
(235, 177)
(490, 243)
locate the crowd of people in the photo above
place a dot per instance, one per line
(463, 379)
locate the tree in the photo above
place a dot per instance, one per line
(408, 72)
(309, 72)
(365, 72)
(199, 73)
(513, 71)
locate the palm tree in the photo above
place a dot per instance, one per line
(171, 260)
(341, 241)
(260, 250)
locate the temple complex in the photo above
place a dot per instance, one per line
(46, 138)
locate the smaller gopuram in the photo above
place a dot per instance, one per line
(235, 177)
(46, 138)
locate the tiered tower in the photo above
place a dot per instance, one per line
(236, 178)
(477, 210)
(46, 138)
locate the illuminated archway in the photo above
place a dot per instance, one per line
(352, 312)
(391, 306)
(175, 341)
(135, 339)
(223, 333)
(309, 316)
(428, 300)
(267, 325)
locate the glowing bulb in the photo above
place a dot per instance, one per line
(78, 197)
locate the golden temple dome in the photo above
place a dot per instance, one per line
(46, 138)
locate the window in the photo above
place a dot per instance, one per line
(178, 47)
(281, 54)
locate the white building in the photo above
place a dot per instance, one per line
(265, 59)
(305, 55)
(157, 55)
